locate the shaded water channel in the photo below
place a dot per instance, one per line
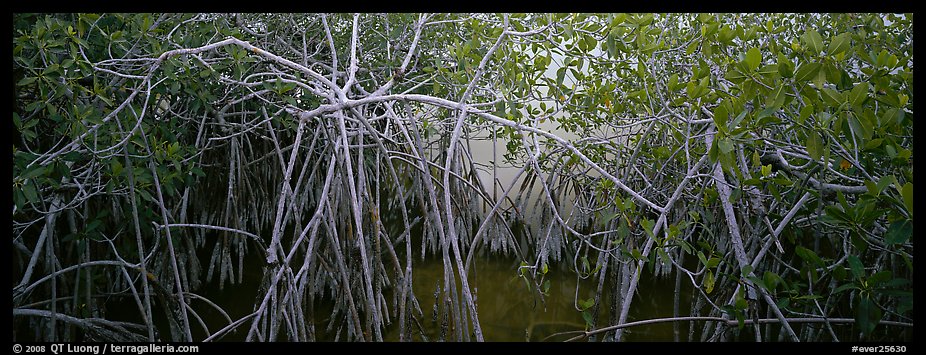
(508, 310)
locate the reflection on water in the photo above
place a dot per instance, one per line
(508, 310)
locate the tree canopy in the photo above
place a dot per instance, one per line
(763, 160)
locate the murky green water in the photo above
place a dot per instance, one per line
(508, 310)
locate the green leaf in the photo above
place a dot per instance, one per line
(806, 111)
(116, 167)
(35, 171)
(709, 282)
(880, 278)
(608, 216)
(726, 34)
(693, 46)
(587, 303)
(197, 171)
(904, 154)
(692, 90)
(841, 197)
(648, 226)
(820, 79)
(845, 287)
(768, 70)
(813, 41)
(903, 99)
(146, 195)
(835, 215)
(884, 182)
(807, 72)
(907, 193)
(173, 148)
(774, 102)
(673, 82)
(741, 303)
(862, 128)
(746, 270)
(92, 226)
(590, 41)
(808, 255)
(894, 115)
(500, 108)
(856, 266)
(695, 216)
(735, 76)
(753, 58)
(897, 283)
(839, 273)
(560, 75)
(867, 315)
(783, 303)
(839, 44)
(612, 44)
(814, 145)
(27, 80)
(702, 258)
(766, 170)
(785, 66)
(771, 280)
(832, 97)
(17, 121)
(18, 199)
(721, 115)
(587, 316)
(873, 144)
(725, 145)
(859, 94)
(73, 156)
(30, 193)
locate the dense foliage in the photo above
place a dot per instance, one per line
(764, 161)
